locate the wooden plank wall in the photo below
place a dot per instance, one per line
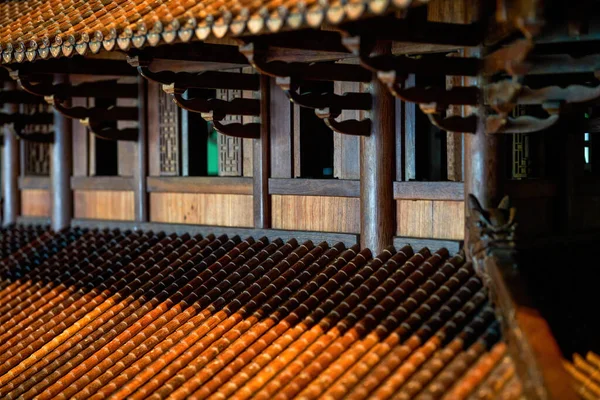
(35, 203)
(202, 208)
(316, 213)
(436, 219)
(104, 204)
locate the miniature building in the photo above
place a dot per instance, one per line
(332, 199)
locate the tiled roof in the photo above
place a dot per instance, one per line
(149, 315)
(586, 375)
(40, 28)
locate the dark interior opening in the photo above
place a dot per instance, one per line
(196, 135)
(106, 155)
(316, 139)
(431, 163)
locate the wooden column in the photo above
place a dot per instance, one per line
(10, 167)
(141, 170)
(377, 162)
(261, 159)
(483, 169)
(62, 165)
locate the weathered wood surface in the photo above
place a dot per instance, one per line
(429, 191)
(34, 182)
(530, 342)
(200, 184)
(205, 209)
(104, 204)
(377, 161)
(316, 213)
(439, 219)
(118, 183)
(315, 187)
(36, 203)
(261, 160)
(10, 168)
(62, 168)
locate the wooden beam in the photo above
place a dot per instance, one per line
(76, 65)
(315, 187)
(62, 165)
(34, 182)
(261, 160)
(200, 184)
(141, 169)
(377, 208)
(117, 183)
(429, 191)
(10, 167)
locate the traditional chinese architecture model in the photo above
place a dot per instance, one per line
(304, 199)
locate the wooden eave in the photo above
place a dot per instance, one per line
(37, 29)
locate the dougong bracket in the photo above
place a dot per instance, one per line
(99, 129)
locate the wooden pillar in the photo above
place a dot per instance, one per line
(260, 160)
(483, 167)
(141, 170)
(377, 162)
(10, 167)
(62, 165)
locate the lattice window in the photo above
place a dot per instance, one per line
(37, 158)
(520, 150)
(168, 122)
(230, 148)
(36, 155)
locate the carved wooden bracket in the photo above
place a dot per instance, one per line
(19, 123)
(19, 97)
(114, 113)
(33, 119)
(36, 137)
(96, 118)
(181, 81)
(497, 124)
(350, 127)
(211, 109)
(505, 95)
(327, 106)
(98, 128)
(363, 46)
(256, 55)
(109, 89)
(244, 131)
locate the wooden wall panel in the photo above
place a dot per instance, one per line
(202, 208)
(104, 204)
(316, 213)
(153, 130)
(35, 203)
(346, 149)
(430, 219)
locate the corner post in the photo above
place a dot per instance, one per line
(483, 166)
(260, 160)
(377, 162)
(61, 170)
(10, 167)
(141, 170)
